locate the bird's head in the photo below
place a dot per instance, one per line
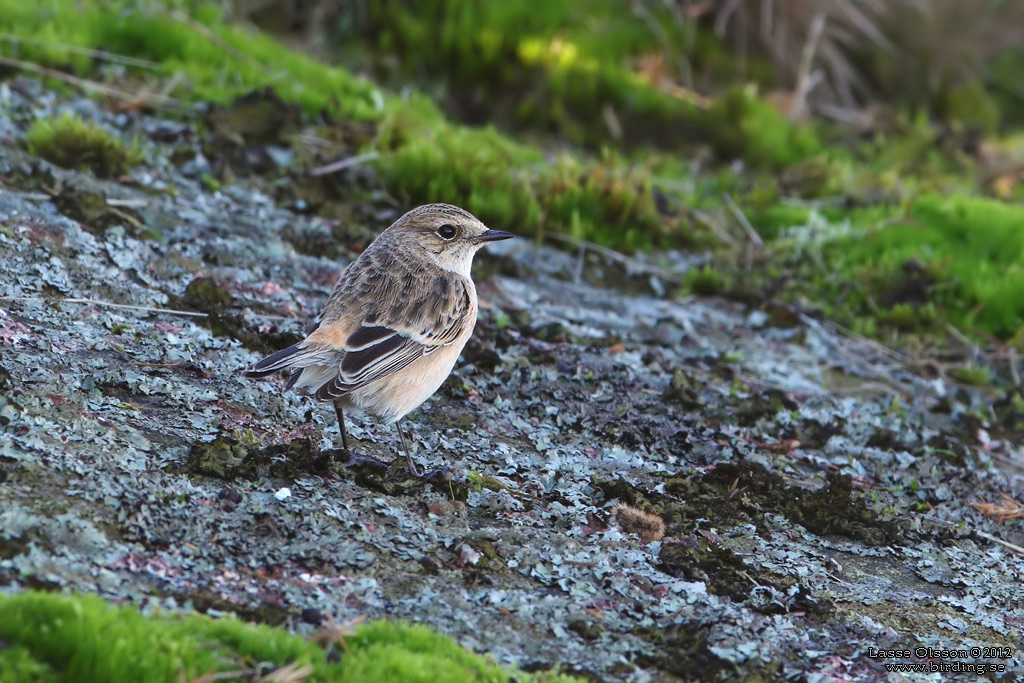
(447, 235)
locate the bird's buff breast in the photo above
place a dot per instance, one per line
(396, 395)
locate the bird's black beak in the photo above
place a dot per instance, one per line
(493, 236)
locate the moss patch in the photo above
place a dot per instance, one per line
(64, 638)
(206, 295)
(227, 457)
(70, 142)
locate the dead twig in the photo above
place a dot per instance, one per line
(342, 164)
(128, 203)
(335, 633)
(124, 215)
(89, 52)
(289, 673)
(88, 86)
(1005, 544)
(108, 304)
(613, 255)
(981, 534)
(1008, 509)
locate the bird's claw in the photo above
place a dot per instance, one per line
(354, 459)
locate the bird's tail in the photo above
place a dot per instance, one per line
(279, 360)
(311, 365)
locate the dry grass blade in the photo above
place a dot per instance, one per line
(75, 49)
(108, 304)
(1006, 510)
(335, 633)
(88, 86)
(867, 49)
(213, 675)
(291, 673)
(342, 164)
(611, 254)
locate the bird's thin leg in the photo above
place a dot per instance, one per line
(341, 423)
(413, 470)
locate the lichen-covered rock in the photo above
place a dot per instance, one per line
(802, 525)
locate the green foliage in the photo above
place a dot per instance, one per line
(209, 59)
(705, 281)
(51, 637)
(514, 186)
(977, 376)
(957, 260)
(70, 142)
(749, 128)
(424, 158)
(570, 67)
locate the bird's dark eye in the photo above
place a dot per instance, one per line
(446, 231)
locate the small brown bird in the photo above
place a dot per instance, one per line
(396, 322)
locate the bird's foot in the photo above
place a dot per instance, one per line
(353, 459)
(435, 475)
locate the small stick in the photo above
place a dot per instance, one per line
(125, 215)
(97, 302)
(87, 86)
(1005, 544)
(616, 256)
(342, 164)
(128, 203)
(741, 217)
(982, 534)
(99, 54)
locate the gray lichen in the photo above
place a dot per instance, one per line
(138, 463)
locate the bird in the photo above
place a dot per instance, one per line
(396, 321)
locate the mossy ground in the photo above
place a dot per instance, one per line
(70, 142)
(49, 637)
(914, 193)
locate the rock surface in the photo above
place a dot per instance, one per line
(814, 489)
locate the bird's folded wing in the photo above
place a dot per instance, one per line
(379, 348)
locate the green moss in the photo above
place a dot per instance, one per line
(52, 637)
(705, 281)
(206, 295)
(571, 69)
(423, 157)
(977, 376)
(972, 105)
(965, 253)
(208, 59)
(514, 186)
(18, 664)
(70, 142)
(913, 267)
